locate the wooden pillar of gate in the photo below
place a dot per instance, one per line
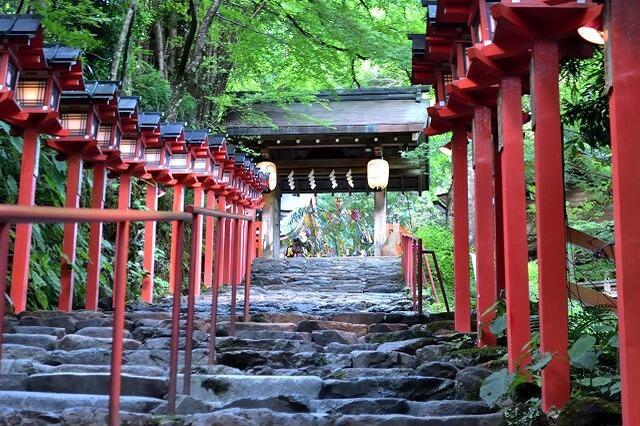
(175, 257)
(148, 261)
(95, 238)
(70, 233)
(623, 30)
(209, 237)
(461, 231)
(196, 262)
(485, 224)
(26, 197)
(514, 221)
(550, 224)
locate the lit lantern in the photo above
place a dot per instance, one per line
(201, 156)
(378, 173)
(270, 169)
(592, 32)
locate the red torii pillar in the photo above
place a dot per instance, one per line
(209, 237)
(95, 238)
(26, 197)
(461, 231)
(222, 245)
(178, 206)
(514, 221)
(485, 224)
(550, 224)
(623, 29)
(72, 200)
(148, 262)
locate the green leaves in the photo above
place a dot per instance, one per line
(496, 386)
(583, 352)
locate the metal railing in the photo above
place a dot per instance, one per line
(241, 262)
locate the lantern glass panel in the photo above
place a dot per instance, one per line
(179, 162)
(75, 123)
(128, 148)
(104, 136)
(55, 97)
(30, 93)
(200, 165)
(116, 140)
(152, 156)
(216, 171)
(10, 76)
(226, 176)
(492, 22)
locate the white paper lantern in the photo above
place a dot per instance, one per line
(378, 173)
(269, 168)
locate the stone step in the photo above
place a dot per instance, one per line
(57, 402)
(43, 341)
(496, 419)
(37, 329)
(412, 388)
(360, 406)
(228, 388)
(228, 344)
(96, 383)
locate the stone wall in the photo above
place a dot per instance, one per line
(345, 274)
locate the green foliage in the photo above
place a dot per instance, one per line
(440, 239)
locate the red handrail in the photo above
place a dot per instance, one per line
(10, 215)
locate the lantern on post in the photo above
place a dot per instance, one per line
(378, 174)
(96, 155)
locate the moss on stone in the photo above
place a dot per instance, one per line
(478, 355)
(438, 326)
(590, 411)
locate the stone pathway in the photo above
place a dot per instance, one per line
(306, 358)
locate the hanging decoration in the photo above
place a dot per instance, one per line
(292, 183)
(332, 179)
(349, 178)
(312, 180)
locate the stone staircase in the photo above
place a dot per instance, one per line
(299, 361)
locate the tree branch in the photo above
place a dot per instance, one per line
(188, 42)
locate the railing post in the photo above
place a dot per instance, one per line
(419, 272)
(209, 240)
(251, 243)
(72, 200)
(196, 254)
(149, 244)
(177, 246)
(217, 274)
(95, 238)
(196, 228)
(235, 269)
(22, 243)
(175, 256)
(119, 293)
(222, 245)
(4, 258)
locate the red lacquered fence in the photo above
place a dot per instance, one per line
(241, 251)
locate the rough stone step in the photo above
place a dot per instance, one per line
(228, 388)
(270, 334)
(412, 388)
(228, 344)
(43, 341)
(96, 383)
(282, 359)
(496, 419)
(57, 402)
(360, 406)
(223, 327)
(37, 329)
(103, 332)
(356, 373)
(447, 408)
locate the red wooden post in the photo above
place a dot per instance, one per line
(485, 224)
(194, 281)
(72, 200)
(236, 257)
(209, 240)
(178, 237)
(419, 273)
(4, 259)
(196, 259)
(461, 278)
(624, 101)
(26, 197)
(222, 246)
(119, 292)
(148, 261)
(515, 221)
(122, 250)
(229, 242)
(500, 288)
(550, 224)
(175, 257)
(95, 239)
(217, 274)
(250, 255)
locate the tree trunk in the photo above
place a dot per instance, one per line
(121, 47)
(201, 39)
(162, 65)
